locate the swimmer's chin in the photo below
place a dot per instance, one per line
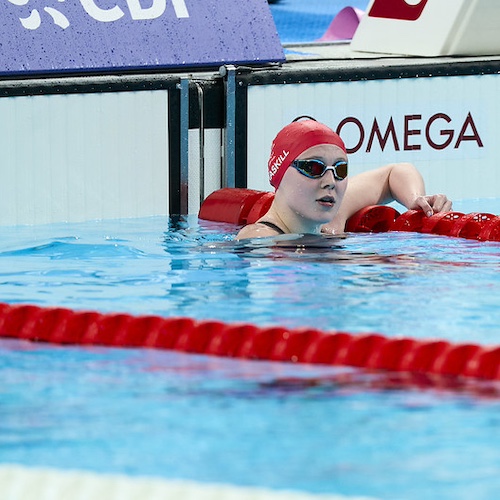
(331, 230)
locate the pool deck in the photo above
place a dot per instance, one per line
(339, 55)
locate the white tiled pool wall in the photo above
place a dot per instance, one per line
(97, 155)
(446, 126)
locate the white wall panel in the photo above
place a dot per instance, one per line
(465, 168)
(77, 157)
(212, 150)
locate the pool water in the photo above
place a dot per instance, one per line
(315, 429)
(409, 284)
(303, 22)
(283, 426)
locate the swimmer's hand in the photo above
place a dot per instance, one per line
(432, 204)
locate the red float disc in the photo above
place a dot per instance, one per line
(491, 230)
(260, 208)
(411, 220)
(372, 219)
(470, 225)
(230, 205)
(441, 223)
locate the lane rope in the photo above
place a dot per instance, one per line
(370, 350)
(245, 206)
(301, 345)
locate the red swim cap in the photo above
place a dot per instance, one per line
(293, 140)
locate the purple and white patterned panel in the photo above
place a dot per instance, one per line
(76, 35)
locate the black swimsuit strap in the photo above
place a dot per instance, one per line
(272, 226)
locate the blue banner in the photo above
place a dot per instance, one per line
(77, 35)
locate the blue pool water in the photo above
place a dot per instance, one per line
(169, 415)
(303, 22)
(282, 426)
(395, 284)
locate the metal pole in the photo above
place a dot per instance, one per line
(229, 164)
(201, 140)
(184, 140)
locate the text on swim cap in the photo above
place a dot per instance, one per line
(276, 163)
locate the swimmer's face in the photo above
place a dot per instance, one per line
(315, 199)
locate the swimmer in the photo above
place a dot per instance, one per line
(308, 168)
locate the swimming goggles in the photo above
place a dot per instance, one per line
(314, 169)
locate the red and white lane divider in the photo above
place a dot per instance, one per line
(245, 206)
(370, 350)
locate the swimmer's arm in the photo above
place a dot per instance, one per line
(406, 186)
(400, 182)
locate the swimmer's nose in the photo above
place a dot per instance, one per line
(328, 180)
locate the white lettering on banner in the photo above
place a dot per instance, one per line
(153, 12)
(34, 20)
(137, 12)
(112, 14)
(103, 15)
(180, 8)
(413, 134)
(58, 17)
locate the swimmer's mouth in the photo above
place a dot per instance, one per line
(327, 200)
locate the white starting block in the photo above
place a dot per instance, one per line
(430, 27)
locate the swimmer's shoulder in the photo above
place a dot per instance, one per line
(260, 229)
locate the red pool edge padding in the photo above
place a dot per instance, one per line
(370, 350)
(245, 206)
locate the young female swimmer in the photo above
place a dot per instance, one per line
(308, 168)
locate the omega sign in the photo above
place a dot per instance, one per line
(438, 132)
